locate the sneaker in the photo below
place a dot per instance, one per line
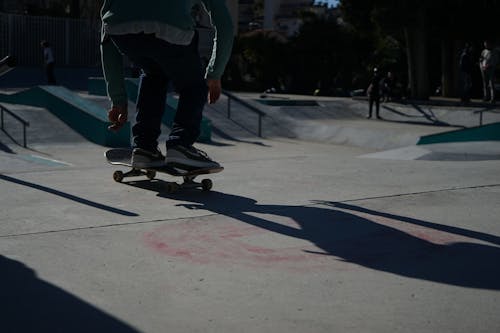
(142, 158)
(189, 158)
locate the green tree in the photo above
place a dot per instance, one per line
(424, 23)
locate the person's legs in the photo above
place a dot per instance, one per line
(370, 107)
(377, 106)
(150, 107)
(51, 78)
(162, 61)
(486, 91)
(151, 99)
(491, 84)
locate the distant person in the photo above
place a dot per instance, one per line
(388, 84)
(487, 63)
(373, 92)
(49, 62)
(465, 66)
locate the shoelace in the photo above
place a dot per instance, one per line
(201, 152)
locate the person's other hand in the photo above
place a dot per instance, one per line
(214, 90)
(118, 117)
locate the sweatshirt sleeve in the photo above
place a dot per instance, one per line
(112, 65)
(223, 41)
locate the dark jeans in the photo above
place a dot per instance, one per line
(49, 71)
(465, 86)
(371, 101)
(162, 63)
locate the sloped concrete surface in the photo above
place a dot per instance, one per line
(296, 236)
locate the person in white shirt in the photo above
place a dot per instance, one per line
(49, 62)
(487, 63)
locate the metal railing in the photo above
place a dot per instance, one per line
(74, 42)
(259, 113)
(481, 114)
(25, 124)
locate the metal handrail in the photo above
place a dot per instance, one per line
(21, 120)
(231, 96)
(481, 114)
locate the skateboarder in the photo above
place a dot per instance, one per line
(159, 37)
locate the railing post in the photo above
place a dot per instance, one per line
(24, 136)
(260, 126)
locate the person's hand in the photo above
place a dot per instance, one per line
(214, 90)
(118, 117)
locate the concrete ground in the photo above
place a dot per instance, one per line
(298, 235)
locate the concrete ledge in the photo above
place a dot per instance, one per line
(86, 118)
(490, 132)
(97, 86)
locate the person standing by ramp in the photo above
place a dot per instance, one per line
(488, 62)
(49, 62)
(159, 37)
(373, 92)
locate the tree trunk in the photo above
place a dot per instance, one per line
(75, 8)
(449, 68)
(418, 69)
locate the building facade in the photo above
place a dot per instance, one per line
(278, 15)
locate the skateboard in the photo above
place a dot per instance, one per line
(123, 156)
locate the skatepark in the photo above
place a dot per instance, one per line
(326, 222)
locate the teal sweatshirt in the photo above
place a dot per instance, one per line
(174, 13)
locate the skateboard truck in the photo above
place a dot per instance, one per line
(171, 187)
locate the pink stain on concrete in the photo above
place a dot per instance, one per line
(228, 241)
(225, 240)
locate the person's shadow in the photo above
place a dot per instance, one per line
(29, 304)
(353, 234)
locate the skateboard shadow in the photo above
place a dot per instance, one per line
(355, 234)
(30, 304)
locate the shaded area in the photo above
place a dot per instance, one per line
(339, 231)
(6, 148)
(220, 133)
(67, 196)
(431, 118)
(30, 304)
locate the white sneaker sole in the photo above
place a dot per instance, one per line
(192, 163)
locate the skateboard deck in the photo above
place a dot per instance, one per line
(123, 156)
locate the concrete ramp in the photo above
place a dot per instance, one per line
(490, 132)
(45, 127)
(86, 118)
(452, 151)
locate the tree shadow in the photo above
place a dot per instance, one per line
(30, 304)
(67, 196)
(355, 234)
(432, 120)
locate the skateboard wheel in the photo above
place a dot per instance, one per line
(151, 174)
(206, 184)
(118, 176)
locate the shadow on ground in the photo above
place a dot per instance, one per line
(68, 196)
(361, 236)
(30, 304)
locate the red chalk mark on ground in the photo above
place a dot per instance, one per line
(233, 242)
(225, 240)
